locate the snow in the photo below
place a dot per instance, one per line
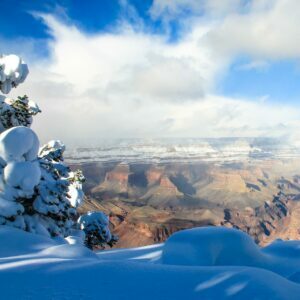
(76, 194)
(57, 192)
(19, 173)
(19, 243)
(223, 246)
(43, 253)
(25, 175)
(13, 71)
(201, 263)
(19, 144)
(10, 208)
(229, 247)
(38, 192)
(54, 148)
(96, 221)
(16, 112)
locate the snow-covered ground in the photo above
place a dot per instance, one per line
(206, 263)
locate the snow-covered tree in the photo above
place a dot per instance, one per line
(59, 192)
(13, 71)
(38, 191)
(16, 112)
(95, 225)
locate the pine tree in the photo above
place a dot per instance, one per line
(95, 225)
(38, 191)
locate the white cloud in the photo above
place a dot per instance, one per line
(171, 9)
(266, 29)
(221, 116)
(269, 30)
(129, 83)
(115, 83)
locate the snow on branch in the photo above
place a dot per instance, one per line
(95, 225)
(17, 112)
(13, 71)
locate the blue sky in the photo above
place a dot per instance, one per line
(238, 53)
(277, 81)
(91, 16)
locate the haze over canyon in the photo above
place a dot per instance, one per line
(152, 188)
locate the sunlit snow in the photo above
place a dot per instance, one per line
(200, 263)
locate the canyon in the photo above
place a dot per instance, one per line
(147, 202)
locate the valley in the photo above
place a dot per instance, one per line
(147, 202)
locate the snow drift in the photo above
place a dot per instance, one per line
(201, 263)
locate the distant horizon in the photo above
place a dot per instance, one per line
(183, 150)
(96, 142)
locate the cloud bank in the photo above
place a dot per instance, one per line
(131, 83)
